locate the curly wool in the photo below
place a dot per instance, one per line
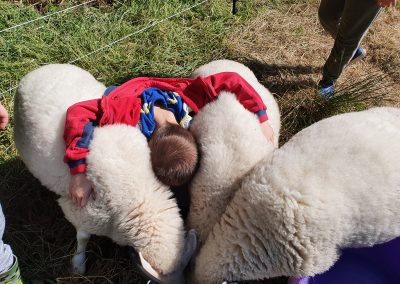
(133, 208)
(335, 184)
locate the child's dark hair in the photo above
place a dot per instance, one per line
(174, 154)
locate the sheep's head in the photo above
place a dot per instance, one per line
(144, 214)
(176, 276)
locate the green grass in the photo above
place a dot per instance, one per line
(304, 107)
(39, 234)
(173, 48)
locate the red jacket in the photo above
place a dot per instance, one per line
(123, 105)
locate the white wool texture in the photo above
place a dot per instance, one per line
(42, 99)
(225, 65)
(231, 143)
(336, 184)
(132, 207)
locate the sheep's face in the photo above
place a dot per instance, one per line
(177, 275)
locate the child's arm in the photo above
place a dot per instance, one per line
(267, 131)
(80, 121)
(3, 117)
(245, 93)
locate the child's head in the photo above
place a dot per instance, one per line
(174, 154)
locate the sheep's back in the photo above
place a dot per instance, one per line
(42, 99)
(343, 175)
(224, 65)
(231, 144)
(346, 170)
(132, 207)
(335, 184)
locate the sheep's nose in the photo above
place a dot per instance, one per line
(177, 276)
(146, 271)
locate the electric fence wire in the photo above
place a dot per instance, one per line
(45, 17)
(121, 39)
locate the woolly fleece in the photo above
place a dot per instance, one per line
(335, 184)
(230, 145)
(133, 207)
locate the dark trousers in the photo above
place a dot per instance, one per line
(347, 21)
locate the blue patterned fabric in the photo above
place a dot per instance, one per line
(170, 100)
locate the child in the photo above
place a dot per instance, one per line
(155, 105)
(173, 154)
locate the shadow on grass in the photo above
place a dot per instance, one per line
(281, 79)
(294, 90)
(44, 241)
(120, 79)
(299, 104)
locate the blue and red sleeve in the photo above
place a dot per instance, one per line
(234, 83)
(80, 121)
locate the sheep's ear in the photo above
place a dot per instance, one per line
(191, 245)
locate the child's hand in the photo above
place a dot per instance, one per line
(80, 189)
(3, 117)
(267, 131)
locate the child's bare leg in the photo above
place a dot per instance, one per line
(79, 259)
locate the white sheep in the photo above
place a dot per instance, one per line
(279, 212)
(225, 65)
(336, 184)
(222, 144)
(132, 208)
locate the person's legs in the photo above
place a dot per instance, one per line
(329, 13)
(6, 255)
(9, 270)
(358, 15)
